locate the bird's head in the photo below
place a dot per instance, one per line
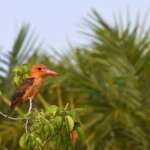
(40, 70)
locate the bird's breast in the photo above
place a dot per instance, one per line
(33, 90)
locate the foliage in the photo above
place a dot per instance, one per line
(24, 46)
(108, 79)
(50, 129)
(20, 74)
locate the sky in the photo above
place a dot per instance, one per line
(58, 22)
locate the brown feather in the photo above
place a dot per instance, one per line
(18, 96)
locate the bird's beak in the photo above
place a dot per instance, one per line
(49, 72)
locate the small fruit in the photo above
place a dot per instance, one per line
(74, 135)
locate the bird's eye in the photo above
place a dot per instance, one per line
(39, 68)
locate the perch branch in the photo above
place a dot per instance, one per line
(12, 118)
(29, 111)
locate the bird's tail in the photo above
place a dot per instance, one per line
(13, 103)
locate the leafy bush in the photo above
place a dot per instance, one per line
(50, 129)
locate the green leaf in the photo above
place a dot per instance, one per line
(23, 141)
(80, 133)
(58, 121)
(52, 109)
(69, 122)
(16, 80)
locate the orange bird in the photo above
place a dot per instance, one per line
(30, 87)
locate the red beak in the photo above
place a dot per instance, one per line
(50, 72)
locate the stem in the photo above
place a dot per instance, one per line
(30, 105)
(29, 111)
(20, 118)
(12, 118)
(26, 125)
(66, 106)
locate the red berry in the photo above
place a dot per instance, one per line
(74, 135)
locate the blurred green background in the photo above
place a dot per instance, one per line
(108, 77)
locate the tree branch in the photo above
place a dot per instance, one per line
(12, 118)
(27, 119)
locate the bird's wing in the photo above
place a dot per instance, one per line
(20, 91)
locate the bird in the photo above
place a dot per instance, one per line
(30, 87)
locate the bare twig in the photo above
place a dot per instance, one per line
(12, 118)
(20, 118)
(30, 106)
(29, 111)
(26, 125)
(66, 106)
